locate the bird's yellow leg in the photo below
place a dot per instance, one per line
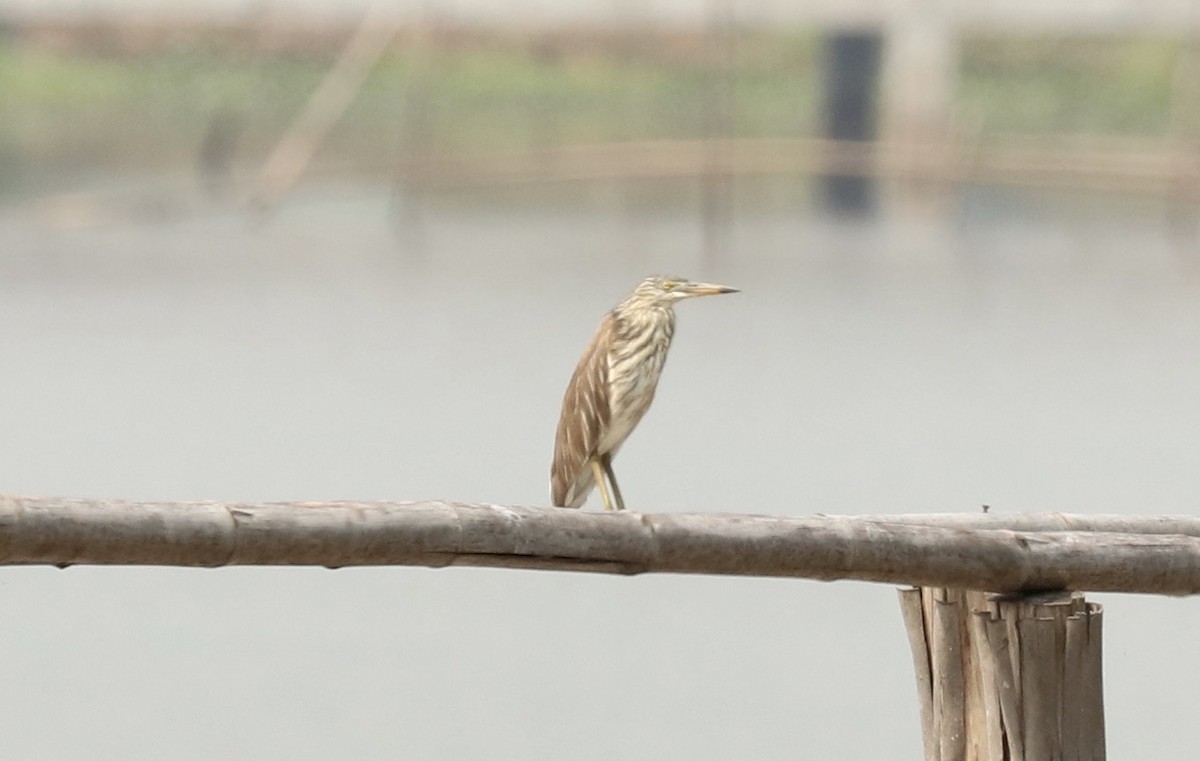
(606, 461)
(598, 473)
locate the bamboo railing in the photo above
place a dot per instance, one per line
(1034, 552)
(1006, 651)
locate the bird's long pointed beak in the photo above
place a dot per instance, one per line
(708, 289)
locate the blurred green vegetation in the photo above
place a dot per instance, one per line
(66, 106)
(1092, 85)
(73, 107)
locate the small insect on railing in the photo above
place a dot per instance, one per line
(1009, 670)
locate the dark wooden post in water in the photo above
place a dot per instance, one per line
(1006, 678)
(851, 86)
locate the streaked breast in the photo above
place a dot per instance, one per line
(635, 364)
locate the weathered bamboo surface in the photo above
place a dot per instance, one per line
(1007, 678)
(1183, 525)
(438, 534)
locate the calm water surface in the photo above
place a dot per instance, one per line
(1030, 352)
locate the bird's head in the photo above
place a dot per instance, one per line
(663, 290)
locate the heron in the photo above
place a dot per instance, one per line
(613, 386)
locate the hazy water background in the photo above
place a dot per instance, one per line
(1030, 351)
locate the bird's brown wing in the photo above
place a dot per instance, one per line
(584, 419)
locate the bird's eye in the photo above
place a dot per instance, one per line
(669, 285)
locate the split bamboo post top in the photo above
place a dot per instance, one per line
(1049, 551)
(1007, 678)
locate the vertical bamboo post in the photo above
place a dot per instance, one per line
(718, 124)
(1006, 678)
(920, 72)
(418, 124)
